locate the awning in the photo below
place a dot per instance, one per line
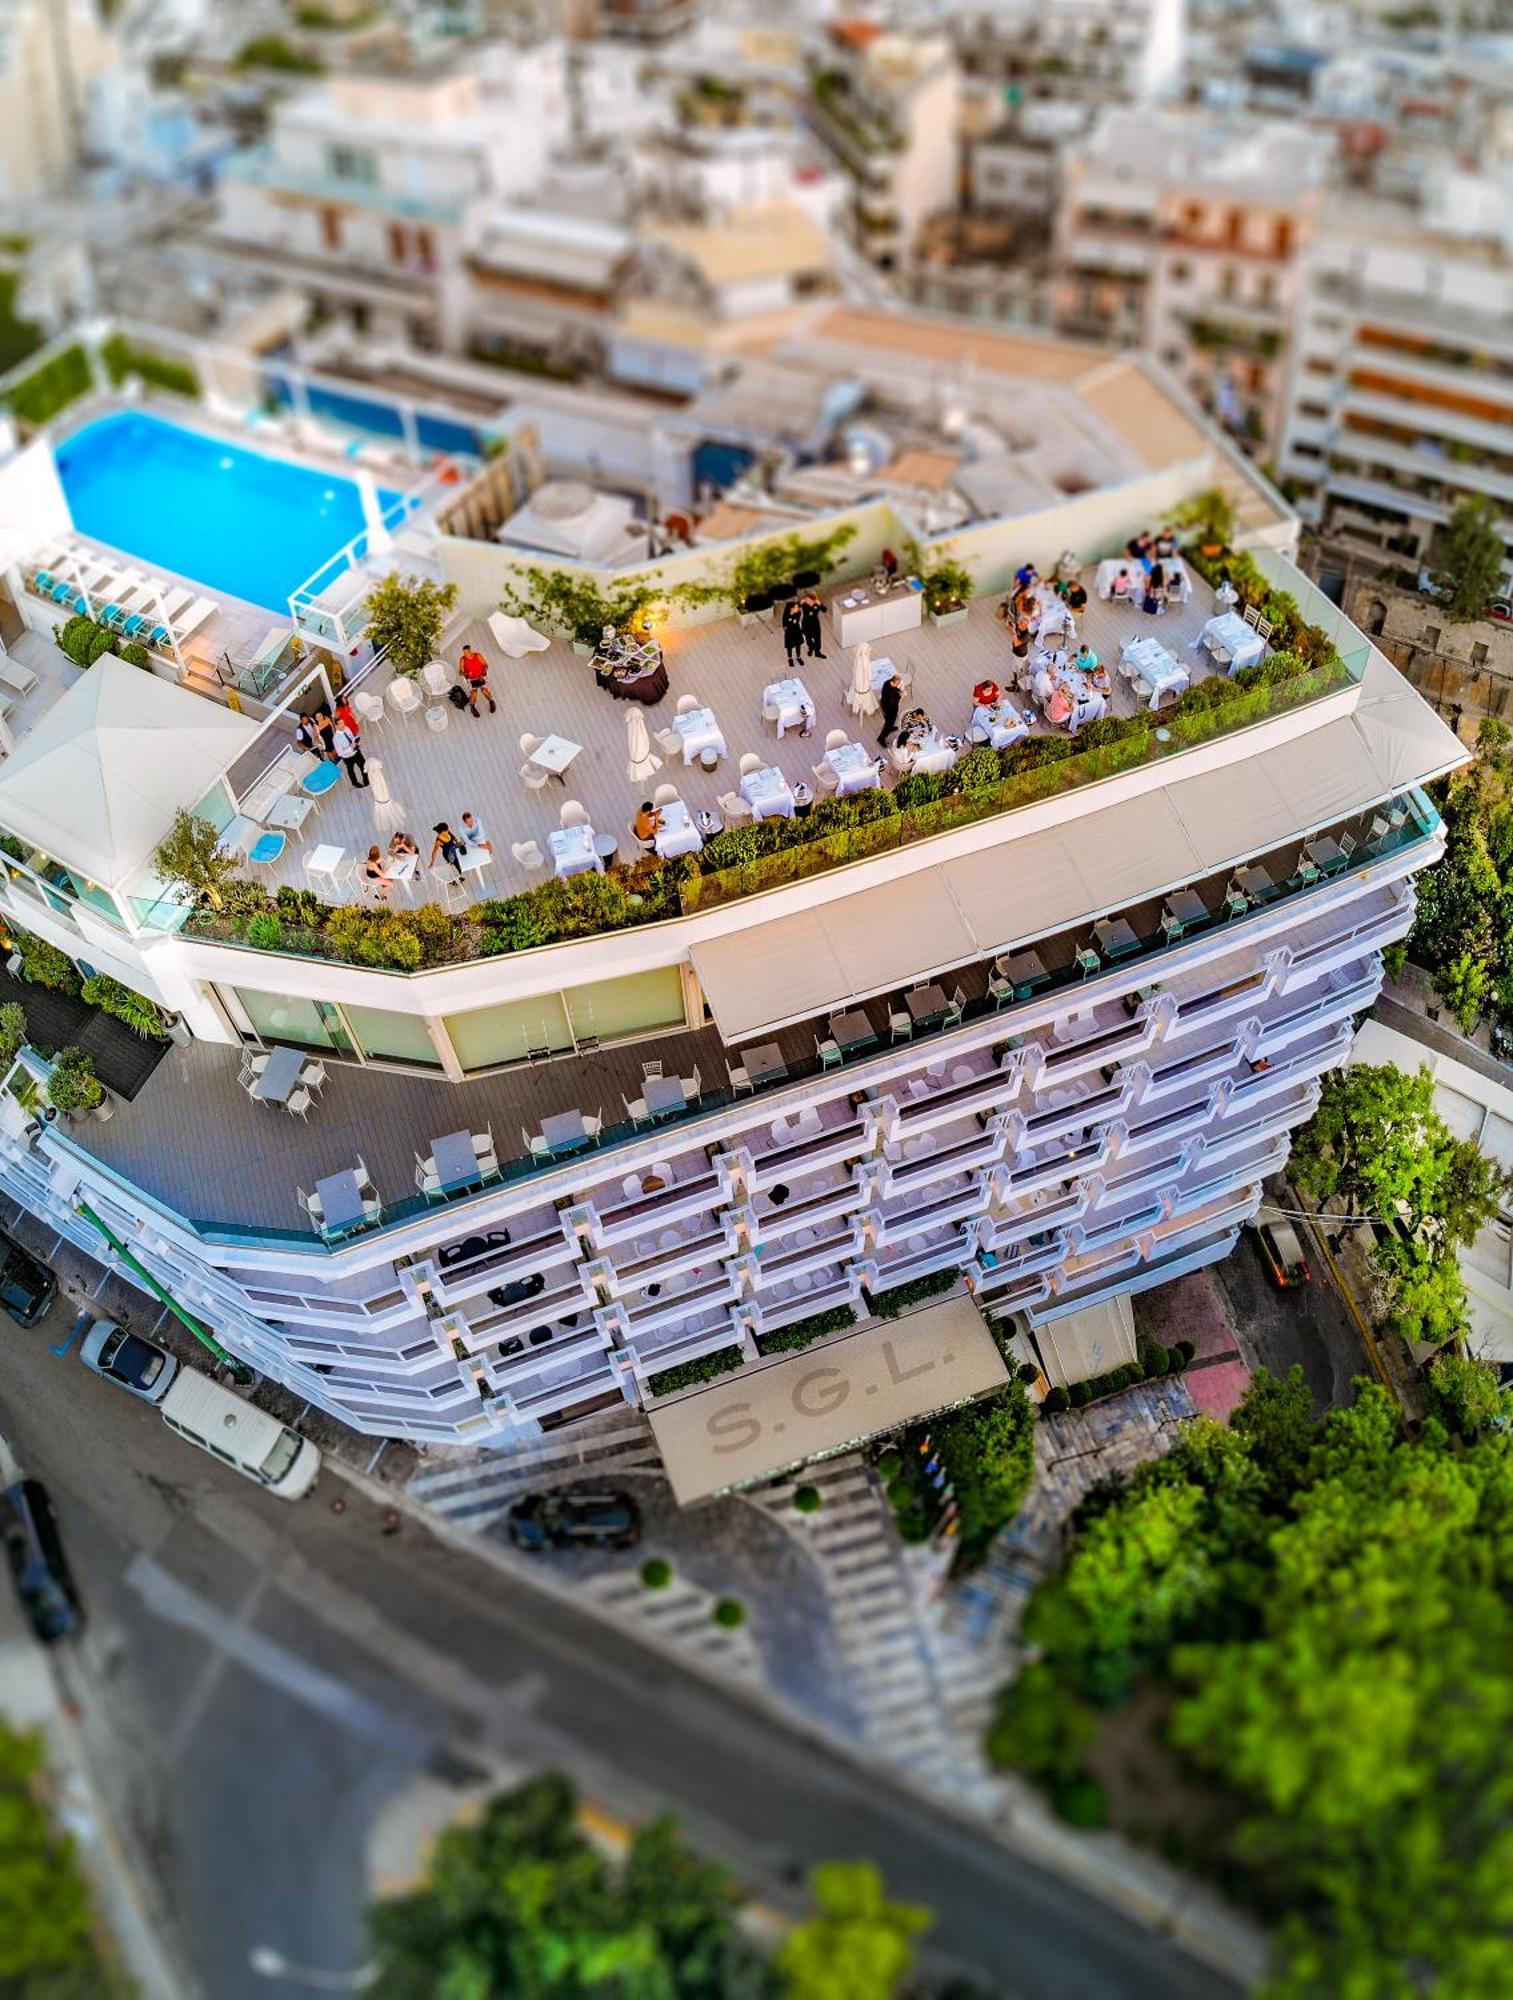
(1408, 743)
(761, 1419)
(1088, 1341)
(793, 967)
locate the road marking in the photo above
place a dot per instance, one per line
(81, 1321)
(270, 1662)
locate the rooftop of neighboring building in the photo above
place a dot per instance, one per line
(768, 240)
(1273, 162)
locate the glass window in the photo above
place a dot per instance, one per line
(278, 1018)
(398, 1037)
(493, 1035)
(612, 1008)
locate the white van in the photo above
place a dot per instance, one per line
(247, 1439)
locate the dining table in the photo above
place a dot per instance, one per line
(768, 793)
(852, 1030)
(926, 1004)
(789, 704)
(1188, 907)
(341, 1201)
(1231, 643)
(1256, 883)
(664, 1095)
(636, 672)
(1027, 969)
(564, 1130)
(676, 832)
(554, 754)
(1115, 938)
(455, 1160)
(700, 732)
(279, 1076)
(1146, 659)
(855, 769)
(573, 850)
(999, 725)
(763, 1062)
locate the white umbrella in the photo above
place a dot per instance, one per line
(387, 810)
(861, 700)
(638, 746)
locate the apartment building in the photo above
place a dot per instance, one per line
(1048, 1046)
(1099, 51)
(886, 107)
(51, 53)
(1400, 389)
(1465, 668)
(1185, 234)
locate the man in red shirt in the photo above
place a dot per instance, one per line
(474, 669)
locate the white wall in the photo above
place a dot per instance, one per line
(33, 509)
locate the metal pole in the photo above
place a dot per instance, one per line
(200, 1332)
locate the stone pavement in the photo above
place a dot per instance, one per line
(1192, 1308)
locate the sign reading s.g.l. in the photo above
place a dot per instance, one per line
(765, 1418)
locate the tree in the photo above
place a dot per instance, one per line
(192, 857)
(1463, 932)
(987, 1450)
(71, 1082)
(1471, 559)
(405, 619)
(46, 1926)
(1465, 1395)
(1423, 1293)
(858, 1945)
(520, 1904)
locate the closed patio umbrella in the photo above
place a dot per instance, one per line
(861, 700)
(638, 746)
(387, 811)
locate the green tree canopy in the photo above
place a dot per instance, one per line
(1471, 559)
(46, 1926)
(406, 615)
(858, 1945)
(1463, 932)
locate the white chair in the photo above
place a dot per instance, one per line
(402, 695)
(734, 810)
(749, 763)
(514, 637)
(572, 814)
(311, 1204)
(437, 676)
(664, 795)
(668, 741)
(539, 1149)
(533, 777)
(594, 1126)
(650, 1070)
(369, 706)
(688, 703)
(527, 853)
(836, 738)
(901, 1024)
(298, 1101)
(529, 745)
(313, 1075)
(740, 1080)
(824, 777)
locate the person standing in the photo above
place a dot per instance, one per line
(809, 621)
(347, 750)
(314, 735)
(890, 696)
(793, 632)
(474, 669)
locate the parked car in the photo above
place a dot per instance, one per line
(575, 1521)
(27, 1288)
(1282, 1254)
(39, 1569)
(140, 1366)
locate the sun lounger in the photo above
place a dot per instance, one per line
(18, 678)
(194, 617)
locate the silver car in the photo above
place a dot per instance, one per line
(141, 1368)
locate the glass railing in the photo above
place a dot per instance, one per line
(1419, 825)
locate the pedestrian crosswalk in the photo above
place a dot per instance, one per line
(476, 1489)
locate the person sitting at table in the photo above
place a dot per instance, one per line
(1085, 659)
(1176, 582)
(987, 694)
(1072, 594)
(400, 846)
(647, 824)
(1166, 544)
(1154, 600)
(473, 833)
(375, 872)
(914, 725)
(1026, 577)
(1122, 585)
(447, 847)
(1141, 548)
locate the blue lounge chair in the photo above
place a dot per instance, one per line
(320, 780)
(60, 590)
(133, 623)
(43, 581)
(112, 614)
(158, 636)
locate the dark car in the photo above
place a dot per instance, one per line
(1282, 1254)
(38, 1566)
(27, 1288)
(575, 1521)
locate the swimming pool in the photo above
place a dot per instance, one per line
(231, 519)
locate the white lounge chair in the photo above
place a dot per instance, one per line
(514, 637)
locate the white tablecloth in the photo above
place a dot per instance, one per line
(1089, 706)
(1054, 616)
(791, 702)
(700, 732)
(931, 753)
(677, 833)
(1110, 567)
(1229, 633)
(766, 792)
(1175, 571)
(998, 727)
(1147, 659)
(573, 850)
(857, 613)
(855, 769)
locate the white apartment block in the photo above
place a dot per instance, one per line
(1400, 394)
(1050, 1046)
(51, 52)
(1099, 50)
(886, 106)
(1184, 234)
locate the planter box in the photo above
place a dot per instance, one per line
(957, 617)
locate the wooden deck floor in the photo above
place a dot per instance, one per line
(473, 763)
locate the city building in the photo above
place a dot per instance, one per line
(1185, 234)
(1400, 391)
(886, 107)
(1464, 667)
(1041, 1040)
(51, 53)
(1098, 51)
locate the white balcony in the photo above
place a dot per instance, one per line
(685, 1195)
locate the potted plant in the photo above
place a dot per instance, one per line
(72, 1085)
(752, 607)
(406, 615)
(947, 588)
(191, 856)
(144, 1017)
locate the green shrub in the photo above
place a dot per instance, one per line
(38, 397)
(656, 1573)
(1081, 1802)
(302, 907)
(13, 1032)
(706, 1368)
(1055, 1401)
(1155, 1359)
(143, 1016)
(889, 1465)
(979, 770)
(1077, 1395)
(729, 1613)
(808, 1499)
(804, 1331)
(1182, 1353)
(44, 965)
(1028, 1373)
(265, 931)
(889, 1304)
(134, 653)
(273, 52)
(71, 1083)
(1040, 1727)
(162, 371)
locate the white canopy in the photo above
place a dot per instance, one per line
(97, 782)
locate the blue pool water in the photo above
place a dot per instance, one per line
(231, 519)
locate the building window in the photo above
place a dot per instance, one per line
(1376, 618)
(635, 1005)
(278, 1017)
(1228, 282)
(1181, 273)
(489, 1037)
(388, 1036)
(352, 163)
(1431, 638)
(1478, 656)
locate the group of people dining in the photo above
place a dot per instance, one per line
(1154, 576)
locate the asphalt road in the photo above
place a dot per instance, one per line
(259, 1679)
(1310, 1326)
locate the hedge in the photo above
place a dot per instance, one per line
(889, 1304)
(1155, 1360)
(162, 371)
(37, 398)
(804, 1331)
(707, 1368)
